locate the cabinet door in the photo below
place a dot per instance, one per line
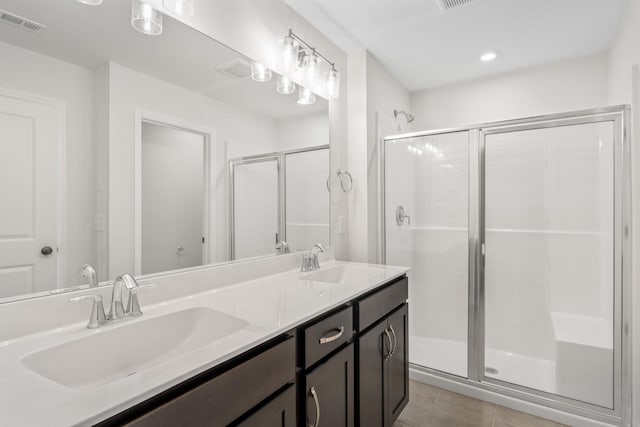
(280, 412)
(397, 387)
(374, 347)
(330, 392)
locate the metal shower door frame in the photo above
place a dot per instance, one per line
(281, 160)
(620, 116)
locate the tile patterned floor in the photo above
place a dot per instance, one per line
(433, 407)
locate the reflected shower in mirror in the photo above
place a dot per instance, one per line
(116, 146)
(279, 198)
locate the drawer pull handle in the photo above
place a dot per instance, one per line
(314, 395)
(395, 341)
(388, 334)
(332, 338)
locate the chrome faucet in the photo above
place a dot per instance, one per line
(310, 259)
(117, 311)
(282, 247)
(88, 272)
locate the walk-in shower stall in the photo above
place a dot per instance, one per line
(517, 235)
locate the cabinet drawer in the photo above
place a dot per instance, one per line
(231, 394)
(323, 337)
(375, 306)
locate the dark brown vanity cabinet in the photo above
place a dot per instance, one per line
(383, 369)
(345, 368)
(280, 412)
(329, 392)
(262, 380)
(326, 380)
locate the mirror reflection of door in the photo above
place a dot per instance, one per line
(29, 193)
(173, 198)
(256, 208)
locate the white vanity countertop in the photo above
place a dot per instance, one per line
(270, 305)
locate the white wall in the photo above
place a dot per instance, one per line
(384, 94)
(308, 130)
(237, 133)
(253, 27)
(559, 87)
(373, 95)
(624, 87)
(44, 76)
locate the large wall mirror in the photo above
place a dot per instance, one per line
(144, 154)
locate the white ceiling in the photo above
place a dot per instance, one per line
(92, 35)
(425, 47)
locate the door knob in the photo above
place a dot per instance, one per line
(46, 250)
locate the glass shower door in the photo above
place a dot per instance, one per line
(307, 199)
(549, 267)
(426, 228)
(256, 208)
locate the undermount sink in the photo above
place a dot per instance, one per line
(342, 274)
(111, 354)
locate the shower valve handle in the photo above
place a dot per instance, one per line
(401, 216)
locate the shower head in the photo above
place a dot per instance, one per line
(406, 115)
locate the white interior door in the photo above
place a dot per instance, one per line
(173, 198)
(29, 139)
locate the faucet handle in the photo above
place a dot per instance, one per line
(133, 305)
(97, 316)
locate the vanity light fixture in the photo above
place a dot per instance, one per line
(285, 85)
(310, 70)
(145, 19)
(489, 56)
(180, 7)
(90, 2)
(298, 56)
(260, 73)
(332, 83)
(306, 96)
(290, 48)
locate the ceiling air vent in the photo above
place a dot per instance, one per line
(21, 22)
(238, 69)
(453, 4)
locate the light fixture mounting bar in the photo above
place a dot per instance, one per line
(308, 46)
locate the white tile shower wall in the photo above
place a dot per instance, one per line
(429, 178)
(549, 216)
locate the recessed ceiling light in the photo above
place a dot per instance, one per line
(489, 56)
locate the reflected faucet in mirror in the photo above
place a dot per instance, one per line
(282, 247)
(88, 272)
(117, 312)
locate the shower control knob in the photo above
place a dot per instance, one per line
(401, 216)
(46, 250)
